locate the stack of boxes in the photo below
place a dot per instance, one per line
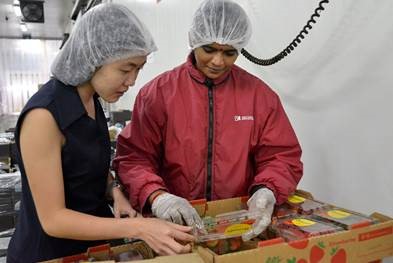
(10, 195)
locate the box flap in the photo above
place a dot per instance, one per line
(185, 258)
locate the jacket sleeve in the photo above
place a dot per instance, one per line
(139, 151)
(277, 155)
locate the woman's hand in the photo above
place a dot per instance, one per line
(164, 237)
(121, 205)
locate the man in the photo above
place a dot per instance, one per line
(209, 129)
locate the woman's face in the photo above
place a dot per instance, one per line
(213, 60)
(112, 80)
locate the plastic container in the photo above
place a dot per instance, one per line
(224, 231)
(224, 246)
(127, 256)
(343, 218)
(305, 206)
(299, 227)
(284, 210)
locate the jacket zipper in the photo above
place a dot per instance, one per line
(209, 83)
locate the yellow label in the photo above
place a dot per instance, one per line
(295, 199)
(236, 229)
(302, 222)
(338, 214)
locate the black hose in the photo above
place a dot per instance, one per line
(292, 45)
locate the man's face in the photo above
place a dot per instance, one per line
(214, 59)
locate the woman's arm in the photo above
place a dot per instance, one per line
(121, 205)
(40, 143)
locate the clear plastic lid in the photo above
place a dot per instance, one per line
(298, 227)
(344, 218)
(227, 225)
(305, 205)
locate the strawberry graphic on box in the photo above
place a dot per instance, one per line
(299, 244)
(293, 260)
(338, 255)
(317, 252)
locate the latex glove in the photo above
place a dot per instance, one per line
(121, 205)
(176, 209)
(262, 203)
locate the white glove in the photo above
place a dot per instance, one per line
(262, 203)
(176, 209)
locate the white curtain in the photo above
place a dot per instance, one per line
(24, 64)
(336, 86)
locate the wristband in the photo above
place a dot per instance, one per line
(154, 195)
(115, 184)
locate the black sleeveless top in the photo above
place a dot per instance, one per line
(85, 164)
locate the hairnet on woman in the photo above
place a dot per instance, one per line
(229, 134)
(64, 149)
(104, 34)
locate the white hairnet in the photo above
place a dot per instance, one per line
(105, 33)
(220, 21)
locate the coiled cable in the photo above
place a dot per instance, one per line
(292, 45)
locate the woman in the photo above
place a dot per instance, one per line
(209, 129)
(64, 149)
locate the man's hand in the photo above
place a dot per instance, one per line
(262, 203)
(176, 209)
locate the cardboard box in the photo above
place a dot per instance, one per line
(105, 252)
(363, 244)
(102, 253)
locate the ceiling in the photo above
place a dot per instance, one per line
(56, 13)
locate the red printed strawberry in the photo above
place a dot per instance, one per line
(339, 256)
(299, 244)
(317, 253)
(293, 260)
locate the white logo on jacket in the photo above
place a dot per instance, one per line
(243, 118)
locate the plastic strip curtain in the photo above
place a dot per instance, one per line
(24, 64)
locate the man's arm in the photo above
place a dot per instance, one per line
(277, 158)
(139, 151)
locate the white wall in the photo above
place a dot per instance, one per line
(336, 86)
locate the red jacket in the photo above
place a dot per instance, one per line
(167, 144)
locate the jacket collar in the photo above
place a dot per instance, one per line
(199, 76)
